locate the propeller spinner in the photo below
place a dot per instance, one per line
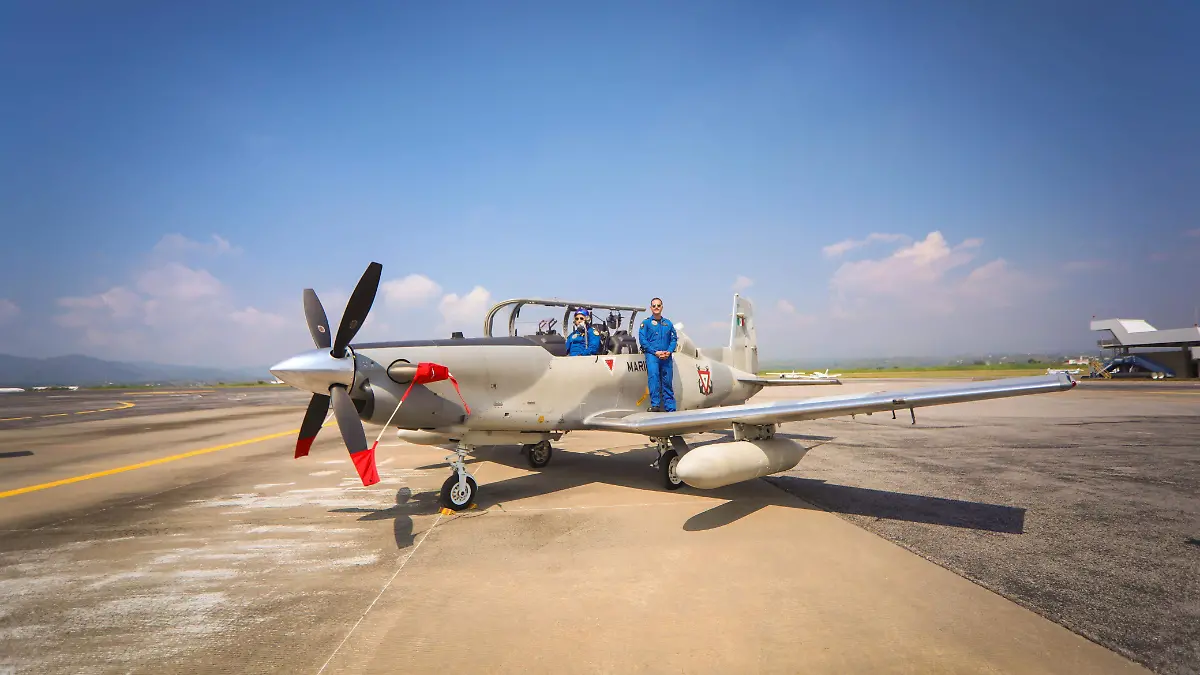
(328, 372)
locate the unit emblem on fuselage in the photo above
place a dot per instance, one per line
(705, 379)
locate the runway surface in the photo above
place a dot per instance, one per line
(191, 537)
(48, 408)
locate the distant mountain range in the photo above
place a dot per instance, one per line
(85, 371)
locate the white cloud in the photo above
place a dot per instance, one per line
(842, 247)
(8, 309)
(465, 313)
(175, 244)
(785, 307)
(176, 314)
(176, 282)
(742, 283)
(413, 290)
(915, 276)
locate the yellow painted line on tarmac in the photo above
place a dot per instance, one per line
(152, 462)
(169, 393)
(124, 405)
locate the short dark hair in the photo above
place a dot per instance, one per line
(653, 299)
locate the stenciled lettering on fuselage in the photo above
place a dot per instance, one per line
(635, 366)
(705, 375)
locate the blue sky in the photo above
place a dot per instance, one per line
(879, 178)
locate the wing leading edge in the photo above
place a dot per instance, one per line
(774, 412)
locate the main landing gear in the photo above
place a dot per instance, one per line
(669, 452)
(538, 454)
(460, 488)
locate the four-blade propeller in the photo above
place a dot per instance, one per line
(357, 308)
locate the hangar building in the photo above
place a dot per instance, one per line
(1174, 352)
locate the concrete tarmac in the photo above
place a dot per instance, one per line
(191, 541)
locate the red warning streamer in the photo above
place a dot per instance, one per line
(426, 373)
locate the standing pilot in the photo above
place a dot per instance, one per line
(658, 340)
(584, 340)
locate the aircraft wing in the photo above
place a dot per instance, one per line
(774, 412)
(789, 381)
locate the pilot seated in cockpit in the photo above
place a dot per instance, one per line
(585, 339)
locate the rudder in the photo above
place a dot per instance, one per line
(743, 341)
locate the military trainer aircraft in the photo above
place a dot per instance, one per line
(523, 389)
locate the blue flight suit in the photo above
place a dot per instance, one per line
(655, 336)
(585, 342)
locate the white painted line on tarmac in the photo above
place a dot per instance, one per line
(383, 590)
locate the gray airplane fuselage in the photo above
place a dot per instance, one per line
(514, 384)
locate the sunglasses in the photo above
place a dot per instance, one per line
(655, 306)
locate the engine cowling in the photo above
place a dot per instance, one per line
(720, 464)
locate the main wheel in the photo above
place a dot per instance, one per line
(539, 454)
(666, 469)
(455, 497)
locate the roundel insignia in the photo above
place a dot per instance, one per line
(705, 375)
(354, 324)
(321, 329)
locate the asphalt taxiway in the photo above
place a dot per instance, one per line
(48, 408)
(1039, 534)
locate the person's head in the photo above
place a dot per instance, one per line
(582, 317)
(656, 307)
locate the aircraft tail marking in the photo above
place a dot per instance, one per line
(743, 339)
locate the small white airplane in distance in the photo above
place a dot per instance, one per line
(1055, 371)
(817, 375)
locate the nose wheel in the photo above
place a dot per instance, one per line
(458, 494)
(460, 489)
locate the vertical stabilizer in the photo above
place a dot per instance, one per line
(743, 341)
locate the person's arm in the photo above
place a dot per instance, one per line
(674, 339)
(643, 338)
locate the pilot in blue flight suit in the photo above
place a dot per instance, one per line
(658, 340)
(584, 340)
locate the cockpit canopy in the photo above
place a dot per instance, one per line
(608, 319)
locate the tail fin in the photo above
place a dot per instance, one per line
(742, 352)
(743, 340)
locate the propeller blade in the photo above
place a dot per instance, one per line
(357, 308)
(318, 324)
(353, 435)
(313, 419)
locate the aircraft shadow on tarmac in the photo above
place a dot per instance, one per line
(18, 453)
(628, 467)
(426, 503)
